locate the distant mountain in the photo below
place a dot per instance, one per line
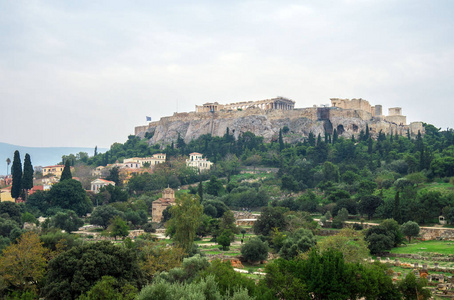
(40, 156)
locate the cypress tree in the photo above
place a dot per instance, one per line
(281, 141)
(335, 136)
(369, 145)
(16, 171)
(319, 139)
(27, 177)
(367, 132)
(311, 139)
(353, 139)
(397, 214)
(200, 191)
(106, 158)
(66, 174)
(96, 151)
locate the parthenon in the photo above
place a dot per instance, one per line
(279, 103)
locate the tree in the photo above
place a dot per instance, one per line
(301, 241)
(327, 276)
(281, 141)
(349, 242)
(413, 288)
(271, 217)
(12, 211)
(410, 229)
(397, 211)
(214, 187)
(103, 214)
(23, 265)
(96, 151)
(200, 191)
(27, 177)
(330, 172)
(186, 218)
(16, 171)
(226, 278)
(69, 194)
(228, 223)
(224, 239)
(118, 227)
(368, 205)
(254, 250)
(68, 221)
(77, 270)
(114, 176)
(383, 237)
(66, 174)
(8, 161)
(109, 288)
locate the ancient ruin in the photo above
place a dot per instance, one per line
(280, 103)
(266, 117)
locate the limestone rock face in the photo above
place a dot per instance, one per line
(267, 123)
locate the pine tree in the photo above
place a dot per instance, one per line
(27, 177)
(66, 174)
(8, 161)
(16, 171)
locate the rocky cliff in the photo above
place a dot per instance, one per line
(267, 123)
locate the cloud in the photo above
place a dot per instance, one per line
(85, 73)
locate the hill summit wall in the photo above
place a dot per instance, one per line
(348, 117)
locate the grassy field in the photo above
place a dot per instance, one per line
(426, 247)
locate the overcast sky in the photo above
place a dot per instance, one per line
(85, 73)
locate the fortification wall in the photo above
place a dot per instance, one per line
(266, 123)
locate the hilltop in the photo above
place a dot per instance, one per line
(266, 118)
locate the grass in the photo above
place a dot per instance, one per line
(426, 247)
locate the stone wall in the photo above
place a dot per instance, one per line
(267, 123)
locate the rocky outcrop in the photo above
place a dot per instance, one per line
(267, 123)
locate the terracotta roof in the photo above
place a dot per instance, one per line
(35, 189)
(55, 166)
(195, 153)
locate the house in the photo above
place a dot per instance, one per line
(138, 162)
(5, 194)
(196, 160)
(158, 206)
(98, 171)
(99, 183)
(53, 170)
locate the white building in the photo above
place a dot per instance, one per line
(99, 183)
(196, 160)
(138, 162)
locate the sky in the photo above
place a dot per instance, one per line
(85, 73)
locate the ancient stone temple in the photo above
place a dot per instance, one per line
(158, 206)
(279, 103)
